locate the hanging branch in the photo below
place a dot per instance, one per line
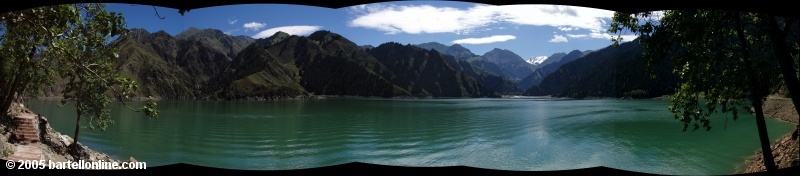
(157, 15)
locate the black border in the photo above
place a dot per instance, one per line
(354, 168)
(357, 168)
(775, 7)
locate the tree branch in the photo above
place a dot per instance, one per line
(86, 67)
(157, 15)
(112, 87)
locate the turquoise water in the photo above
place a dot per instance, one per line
(506, 134)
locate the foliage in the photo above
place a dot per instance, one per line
(725, 55)
(7, 152)
(71, 42)
(712, 61)
(638, 93)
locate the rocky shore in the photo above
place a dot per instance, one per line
(53, 144)
(785, 150)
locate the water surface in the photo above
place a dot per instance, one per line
(506, 134)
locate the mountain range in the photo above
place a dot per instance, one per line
(618, 72)
(549, 66)
(500, 62)
(208, 64)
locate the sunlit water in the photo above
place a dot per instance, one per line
(505, 134)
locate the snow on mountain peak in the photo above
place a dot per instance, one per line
(536, 60)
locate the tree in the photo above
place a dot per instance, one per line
(69, 41)
(726, 55)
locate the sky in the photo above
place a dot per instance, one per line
(528, 30)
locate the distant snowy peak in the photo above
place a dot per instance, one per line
(536, 60)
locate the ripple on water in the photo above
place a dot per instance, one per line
(486, 133)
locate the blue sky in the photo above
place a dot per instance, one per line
(528, 30)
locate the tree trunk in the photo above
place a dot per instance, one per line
(785, 63)
(5, 104)
(755, 90)
(9, 97)
(766, 150)
(14, 86)
(77, 129)
(3, 85)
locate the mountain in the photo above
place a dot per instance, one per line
(366, 46)
(431, 70)
(552, 58)
(217, 40)
(571, 56)
(609, 72)
(150, 60)
(323, 63)
(476, 66)
(537, 76)
(208, 64)
(511, 64)
(501, 85)
(271, 40)
(454, 50)
(484, 63)
(441, 48)
(587, 52)
(255, 74)
(176, 67)
(537, 60)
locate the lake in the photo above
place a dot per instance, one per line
(505, 134)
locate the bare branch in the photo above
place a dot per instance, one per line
(157, 15)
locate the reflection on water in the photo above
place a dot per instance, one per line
(508, 134)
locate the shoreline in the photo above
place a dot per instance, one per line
(778, 108)
(785, 149)
(301, 97)
(54, 145)
(313, 96)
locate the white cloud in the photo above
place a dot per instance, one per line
(566, 28)
(577, 35)
(558, 39)
(599, 35)
(656, 15)
(485, 40)
(232, 21)
(364, 8)
(607, 36)
(253, 26)
(291, 30)
(416, 19)
(628, 38)
(230, 31)
(420, 19)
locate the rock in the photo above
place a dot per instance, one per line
(784, 151)
(66, 140)
(132, 160)
(54, 145)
